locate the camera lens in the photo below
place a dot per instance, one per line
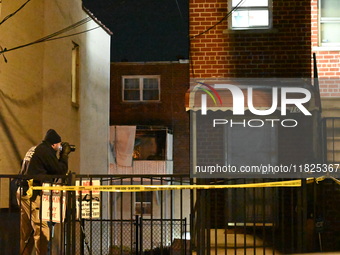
(73, 147)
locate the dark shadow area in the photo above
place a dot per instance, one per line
(9, 231)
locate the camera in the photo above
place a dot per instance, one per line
(72, 147)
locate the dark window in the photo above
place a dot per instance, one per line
(141, 88)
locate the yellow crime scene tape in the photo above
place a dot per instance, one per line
(141, 188)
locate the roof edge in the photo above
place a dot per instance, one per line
(95, 19)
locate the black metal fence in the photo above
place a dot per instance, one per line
(91, 222)
(135, 236)
(273, 220)
(253, 221)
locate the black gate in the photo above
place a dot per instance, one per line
(135, 236)
(253, 221)
(131, 222)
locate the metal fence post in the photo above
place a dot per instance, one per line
(70, 218)
(137, 235)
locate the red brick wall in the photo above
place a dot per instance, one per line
(283, 51)
(328, 63)
(169, 112)
(328, 60)
(329, 87)
(314, 24)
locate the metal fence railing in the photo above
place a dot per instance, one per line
(276, 220)
(130, 236)
(91, 222)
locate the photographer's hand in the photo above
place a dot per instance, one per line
(66, 149)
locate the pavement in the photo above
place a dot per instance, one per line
(260, 251)
(241, 240)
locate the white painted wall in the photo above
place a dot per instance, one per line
(35, 85)
(21, 96)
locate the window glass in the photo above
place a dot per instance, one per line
(144, 196)
(150, 83)
(330, 33)
(150, 89)
(141, 88)
(150, 145)
(75, 75)
(150, 95)
(131, 95)
(143, 203)
(131, 83)
(330, 8)
(250, 14)
(329, 27)
(250, 18)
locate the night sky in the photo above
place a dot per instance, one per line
(144, 30)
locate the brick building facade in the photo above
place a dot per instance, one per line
(328, 60)
(168, 111)
(219, 53)
(328, 56)
(284, 49)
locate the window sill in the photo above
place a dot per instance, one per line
(326, 48)
(141, 102)
(75, 105)
(251, 31)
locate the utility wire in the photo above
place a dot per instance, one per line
(51, 36)
(207, 30)
(1, 49)
(77, 24)
(219, 22)
(65, 36)
(12, 14)
(179, 9)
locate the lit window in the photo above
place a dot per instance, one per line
(250, 14)
(75, 75)
(153, 144)
(329, 27)
(141, 88)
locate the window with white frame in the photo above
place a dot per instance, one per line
(250, 14)
(329, 26)
(141, 88)
(75, 75)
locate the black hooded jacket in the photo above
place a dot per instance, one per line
(42, 160)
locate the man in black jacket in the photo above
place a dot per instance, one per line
(42, 159)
